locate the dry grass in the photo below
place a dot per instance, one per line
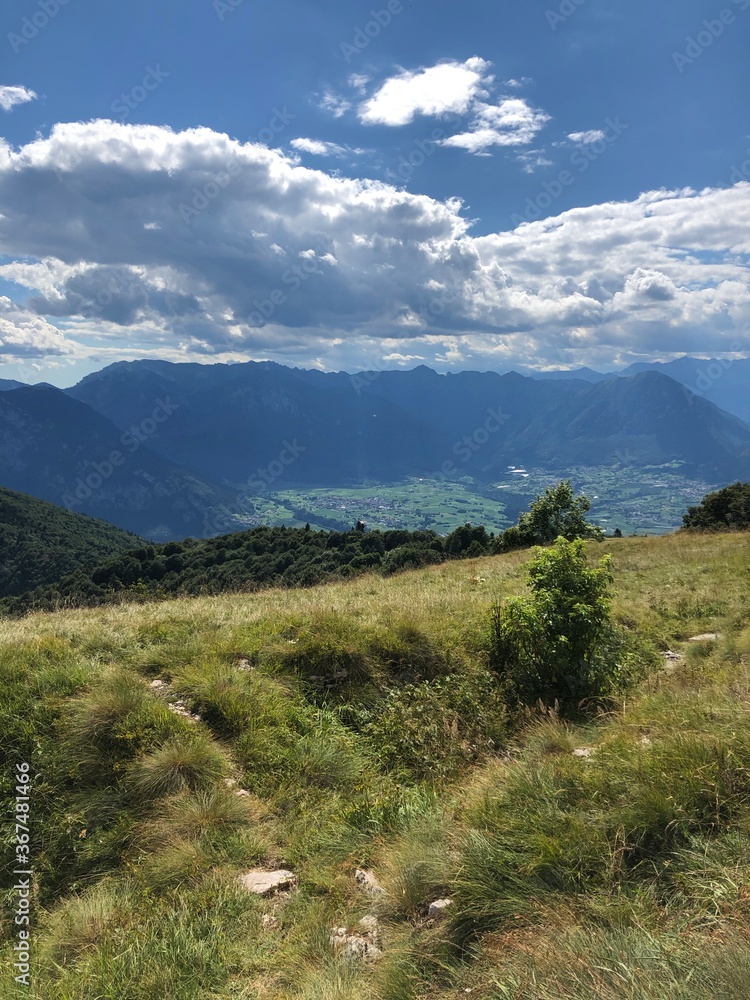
(697, 577)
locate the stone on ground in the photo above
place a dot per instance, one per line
(439, 907)
(362, 943)
(367, 881)
(265, 883)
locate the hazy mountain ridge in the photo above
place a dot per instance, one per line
(723, 382)
(60, 450)
(193, 439)
(232, 421)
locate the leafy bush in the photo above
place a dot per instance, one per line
(725, 510)
(558, 645)
(556, 513)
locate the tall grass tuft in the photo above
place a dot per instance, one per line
(191, 762)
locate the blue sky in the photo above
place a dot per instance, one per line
(346, 185)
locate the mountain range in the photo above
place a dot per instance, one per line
(156, 447)
(725, 383)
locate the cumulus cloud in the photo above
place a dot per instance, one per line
(191, 242)
(511, 122)
(11, 96)
(448, 88)
(456, 89)
(25, 335)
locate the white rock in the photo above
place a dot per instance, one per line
(352, 945)
(270, 923)
(367, 881)
(245, 666)
(370, 928)
(583, 752)
(181, 709)
(706, 637)
(265, 883)
(438, 908)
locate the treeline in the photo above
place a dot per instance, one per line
(298, 557)
(724, 510)
(251, 560)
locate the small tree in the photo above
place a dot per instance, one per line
(559, 644)
(556, 513)
(725, 510)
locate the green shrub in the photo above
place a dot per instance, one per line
(191, 815)
(724, 510)
(559, 645)
(556, 513)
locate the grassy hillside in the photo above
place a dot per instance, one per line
(604, 860)
(40, 542)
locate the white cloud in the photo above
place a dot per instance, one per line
(512, 122)
(358, 82)
(454, 88)
(334, 103)
(319, 147)
(402, 359)
(532, 160)
(11, 96)
(25, 335)
(585, 138)
(291, 263)
(449, 87)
